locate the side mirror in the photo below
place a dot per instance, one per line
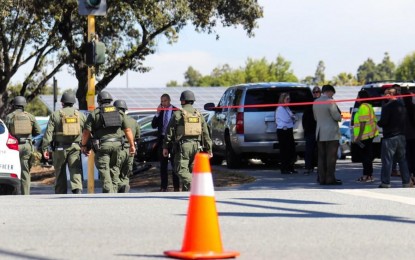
(210, 107)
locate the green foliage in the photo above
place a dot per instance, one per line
(308, 80)
(406, 69)
(53, 34)
(29, 38)
(254, 71)
(319, 76)
(345, 79)
(192, 77)
(281, 71)
(37, 108)
(172, 83)
(370, 71)
(367, 71)
(386, 69)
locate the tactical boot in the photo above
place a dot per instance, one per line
(77, 191)
(124, 189)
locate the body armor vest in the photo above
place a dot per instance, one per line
(110, 116)
(192, 124)
(21, 124)
(70, 124)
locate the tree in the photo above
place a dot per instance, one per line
(386, 69)
(367, 72)
(192, 77)
(130, 30)
(172, 83)
(28, 37)
(345, 79)
(319, 76)
(308, 80)
(258, 70)
(36, 107)
(406, 70)
(281, 72)
(254, 71)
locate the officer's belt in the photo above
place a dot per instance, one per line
(23, 140)
(65, 145)
(110, 140)
(182, 141)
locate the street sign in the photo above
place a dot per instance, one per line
(92, 7)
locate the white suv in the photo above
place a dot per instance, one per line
(243, 125)
(10, 171)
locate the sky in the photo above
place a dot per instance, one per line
(342, 33)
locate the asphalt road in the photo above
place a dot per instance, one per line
(276, 217)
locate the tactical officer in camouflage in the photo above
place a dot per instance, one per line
(188, 134)
(23, 126)
(106, 124)
(125, 162)
(63, 134)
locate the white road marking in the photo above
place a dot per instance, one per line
(375, 195)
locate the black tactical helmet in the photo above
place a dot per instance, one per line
(120, 104)
(187, 95)
(19, 101)
(68, 98)
(104, 96)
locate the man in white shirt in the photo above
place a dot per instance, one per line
(161, 121)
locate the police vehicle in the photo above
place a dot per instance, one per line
(10, 171)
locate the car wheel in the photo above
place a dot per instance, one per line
(8, 190)
(232, 160)
(216, 160)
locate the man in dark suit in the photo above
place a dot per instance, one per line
(160, 121)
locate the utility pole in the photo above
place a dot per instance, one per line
(95, 56)
(90, 100)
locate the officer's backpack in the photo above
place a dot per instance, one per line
(21, 124)
(110, 116)
(192, 123)
(70, 124)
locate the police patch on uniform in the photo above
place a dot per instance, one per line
(71, 120)
(109, 109)
(193, 119)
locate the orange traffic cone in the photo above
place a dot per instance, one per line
(202, 238)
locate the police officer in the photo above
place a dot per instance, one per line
(125, 162)
(63, 134)
(188, 134)
(23, 126)
(106, 124)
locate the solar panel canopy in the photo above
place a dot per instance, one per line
(149, 98)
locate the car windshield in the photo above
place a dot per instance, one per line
(145, 123)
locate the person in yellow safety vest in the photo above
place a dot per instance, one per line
(364, 131)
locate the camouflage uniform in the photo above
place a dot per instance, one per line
(125, 162)
(186, 147)
(26, 149)
(66, 148)
(110, 141)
